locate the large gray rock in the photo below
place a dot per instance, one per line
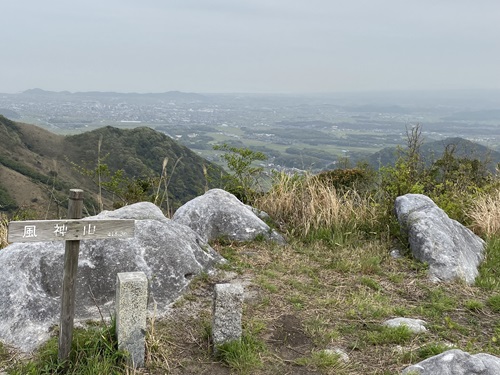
(170, 254)
(451, 250)
(218, 214)
(457, 362)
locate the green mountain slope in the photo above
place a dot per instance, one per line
(432, 151)
(37, 168)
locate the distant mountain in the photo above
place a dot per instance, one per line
(376, 109)
(432, 151)
(169, 95)
(37, 168)
(484, 115)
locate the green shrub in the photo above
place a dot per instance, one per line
(243, 181)
(348, 178)
(452, 181)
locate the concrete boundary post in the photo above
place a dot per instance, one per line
(227, 311)
(131, 314)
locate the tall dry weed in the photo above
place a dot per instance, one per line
(4, 224)
(305, 204)
(485, 214)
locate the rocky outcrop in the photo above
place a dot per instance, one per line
(451, 250)
(456, 362)
(219, 214)
(170, 254)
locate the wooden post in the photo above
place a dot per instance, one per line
(72, 249)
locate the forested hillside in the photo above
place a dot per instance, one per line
(38, 167)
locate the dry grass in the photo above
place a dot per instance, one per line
(485, 214)
(307, 204)
(4, 224)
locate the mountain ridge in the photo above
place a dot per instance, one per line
(167, 95)
(37, 168)
(431, 151)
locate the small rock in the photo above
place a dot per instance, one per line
(414, 325)
(338, 352)
(396, 254)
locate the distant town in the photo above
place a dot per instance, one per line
(294, 131)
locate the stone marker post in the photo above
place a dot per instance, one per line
(131, 314)
(227, 310)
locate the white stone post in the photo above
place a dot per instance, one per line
(227, 310)
(131, 314)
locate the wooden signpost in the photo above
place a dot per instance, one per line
(72, 230)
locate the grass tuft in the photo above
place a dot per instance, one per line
(485, 214)
(94, 351)
(242, 356)
(325, 361)
(4, 225)
(382, 335)
(489, 271)
(494, 303)
(306, 204)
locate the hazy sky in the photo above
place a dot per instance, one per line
(249, 45)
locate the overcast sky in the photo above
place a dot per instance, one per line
(285, 46)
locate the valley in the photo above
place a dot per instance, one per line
(296, 132)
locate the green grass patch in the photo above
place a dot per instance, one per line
(325, 361)
(493, 303)
(382, 335)
(242, 356)
(94, 351)
(431, 349)
(474, 305)
(426, 351)
(489, 271)
(438, 303)
(370, 283)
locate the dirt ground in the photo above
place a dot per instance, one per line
(183, 334)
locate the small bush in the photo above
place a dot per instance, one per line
(343, 179)
(244, 180)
